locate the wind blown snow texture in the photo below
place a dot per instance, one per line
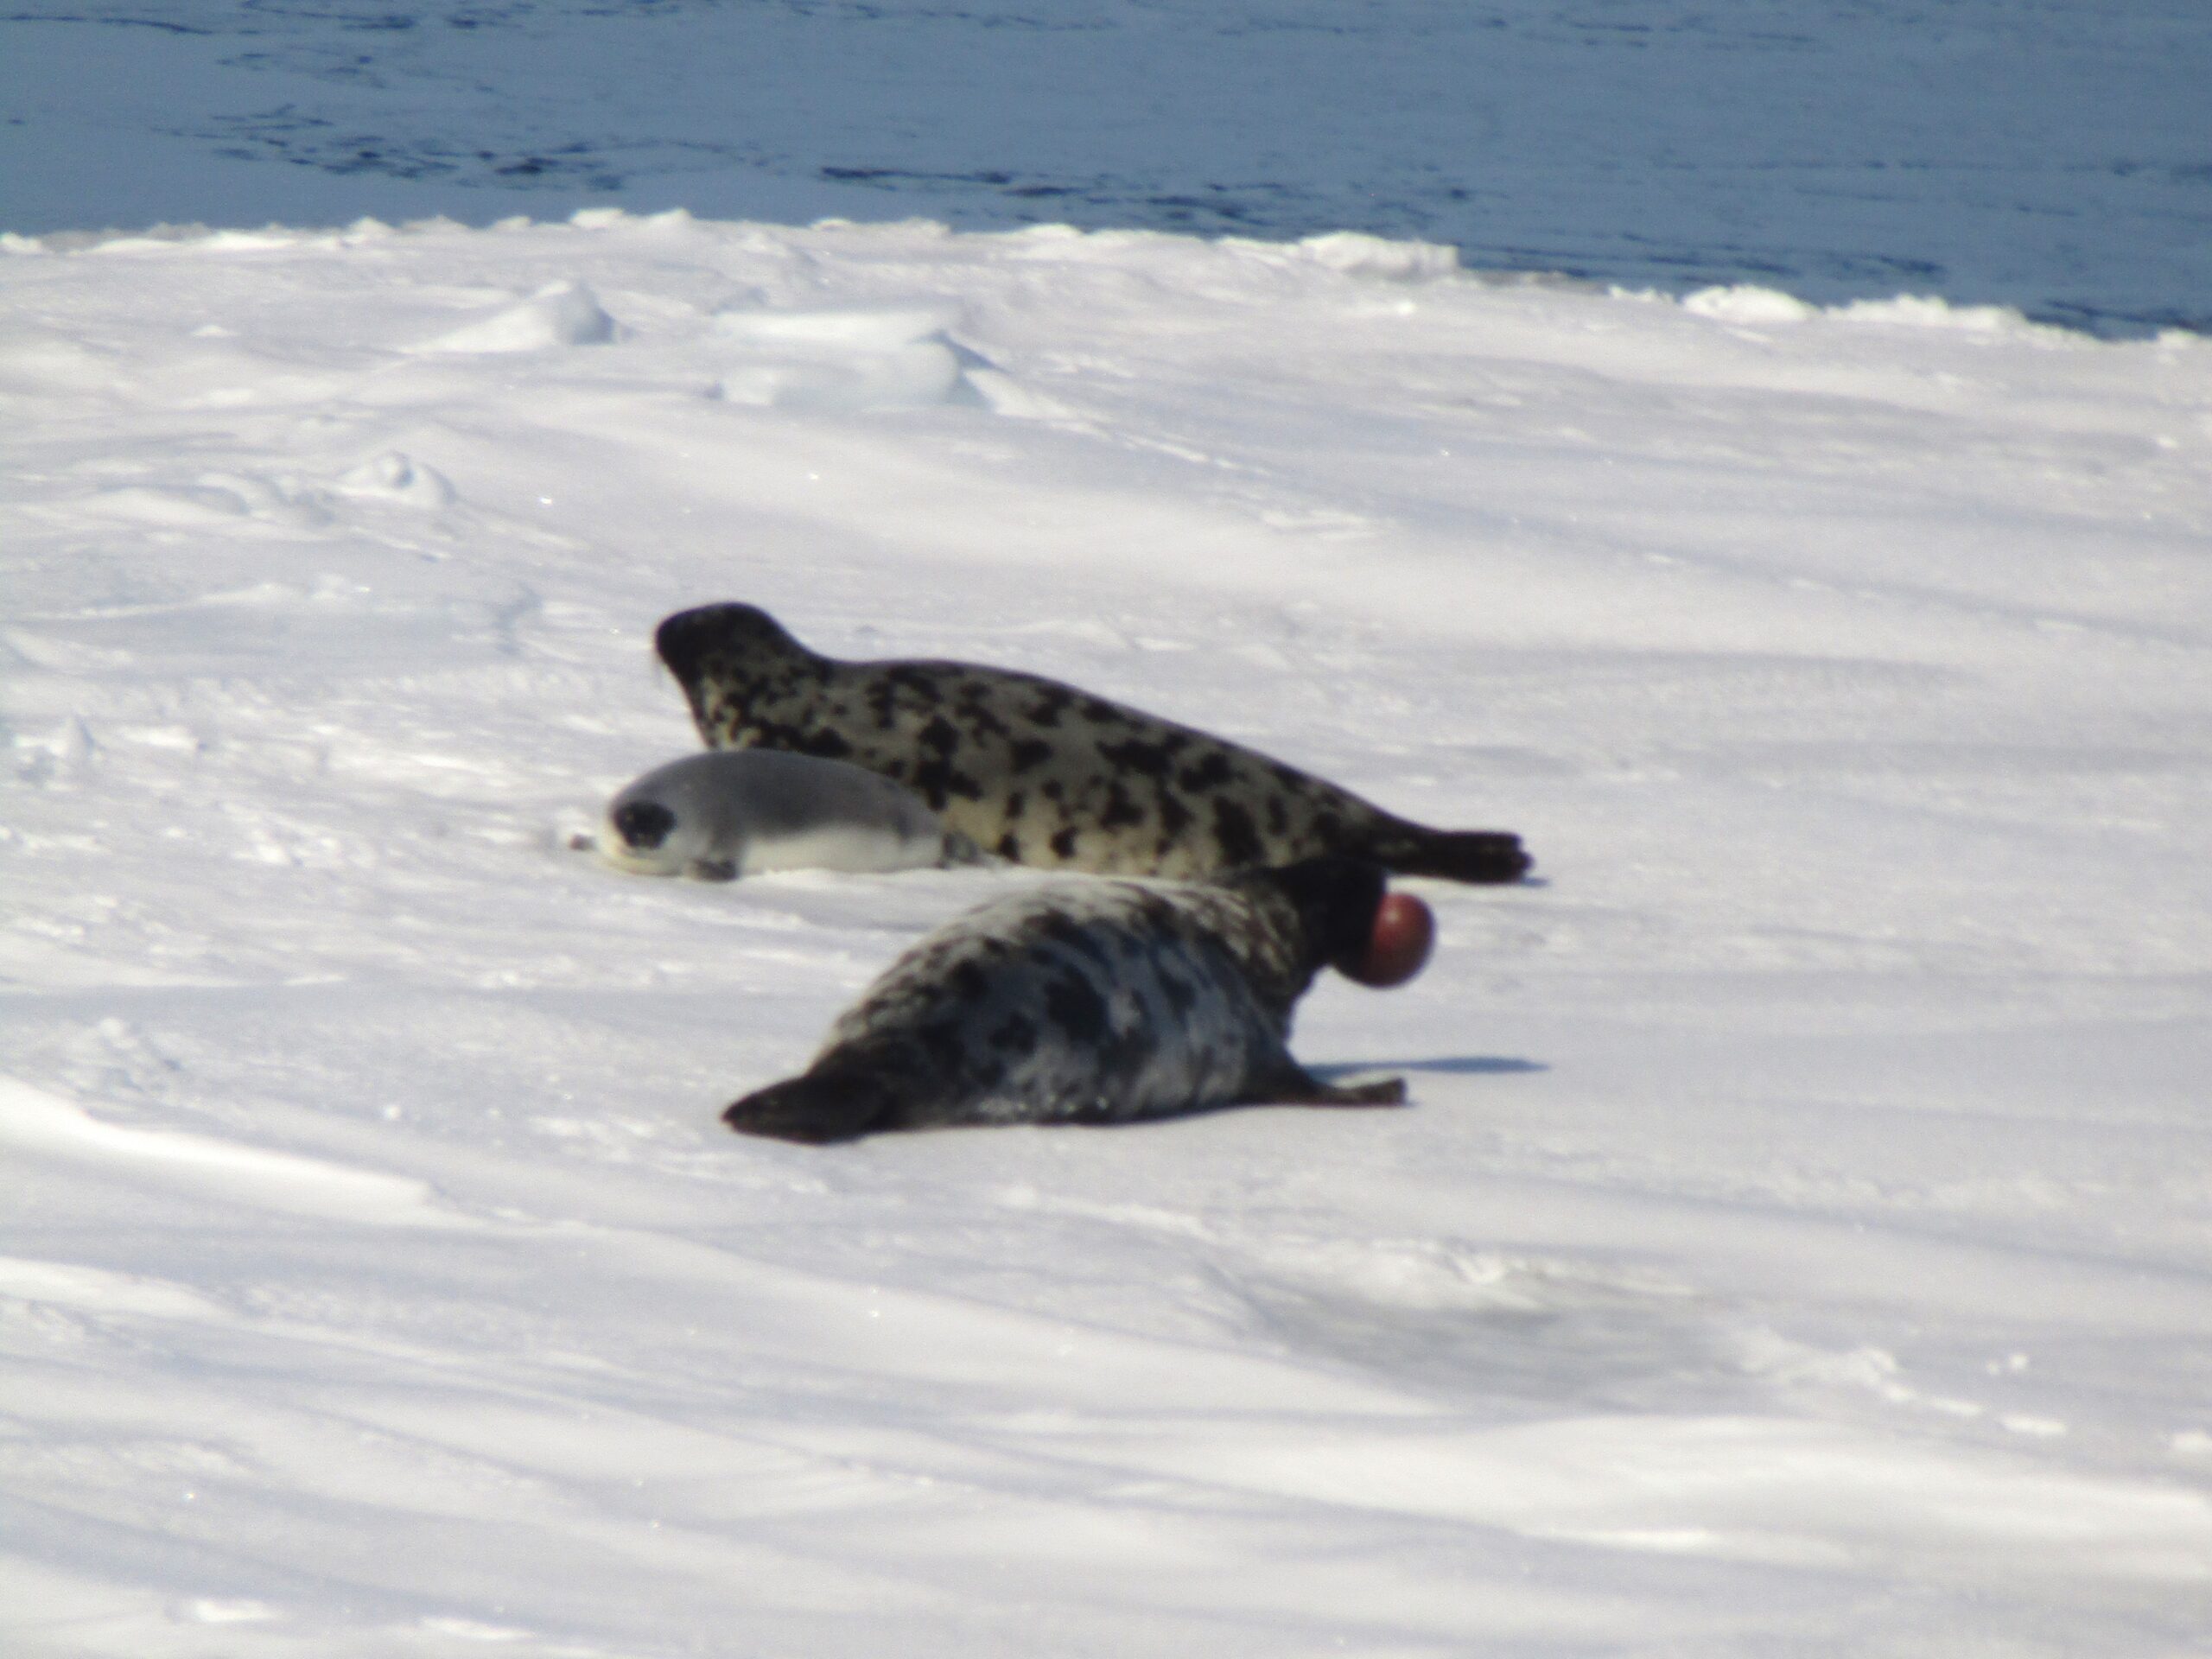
(1801, 1234)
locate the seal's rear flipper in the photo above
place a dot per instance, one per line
(1298, 1087)
(813, 1108)
(1487, 856)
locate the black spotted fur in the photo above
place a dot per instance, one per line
(1097, 1002)
(1041, 772)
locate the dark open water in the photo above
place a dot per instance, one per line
(2054, 154)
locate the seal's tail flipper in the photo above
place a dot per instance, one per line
(1488, 856)
(813, 1108)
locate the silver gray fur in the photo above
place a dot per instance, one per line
(726, 813)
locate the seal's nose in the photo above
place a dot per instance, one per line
(643, 824)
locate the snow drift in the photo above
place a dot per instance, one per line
(1797, 1236)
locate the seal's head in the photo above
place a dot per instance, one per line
(1347, 919)
(724, 639)
(648, 833)
(726, 656)
(643, 826)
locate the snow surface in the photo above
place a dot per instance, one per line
(1800, 1238)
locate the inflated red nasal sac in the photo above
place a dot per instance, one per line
(1398, 945)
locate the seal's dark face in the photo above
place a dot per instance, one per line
(724, 639)
(1336, 899)
(643, 824)
(733, 659)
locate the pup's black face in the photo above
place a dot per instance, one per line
(643, 824)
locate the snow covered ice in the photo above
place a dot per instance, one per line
(1800, 1238)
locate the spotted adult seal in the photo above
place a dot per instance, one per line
(733, 812)
(1041, 772)
(1101, 1002)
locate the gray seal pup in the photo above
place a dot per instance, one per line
(1043, 773)
(1102, 1002)
(733, 812)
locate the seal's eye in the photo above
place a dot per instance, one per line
(644, 823)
